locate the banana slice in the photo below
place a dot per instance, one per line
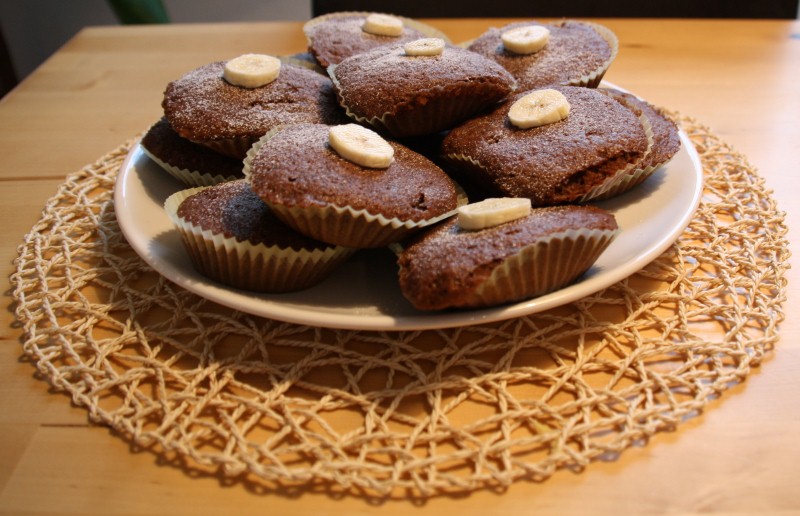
(540, 107)
(252, 70)
(492, 212)
(425, 47)
(360, 145)
(525, 40)
(383, 25)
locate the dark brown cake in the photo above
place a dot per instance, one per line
(447, 266)
(337, 36)
(233, 237)
(552, 164)
(666, 140)
(203, 107)
(296, 169)
(191, 163)
(405, 95)
(578, 53)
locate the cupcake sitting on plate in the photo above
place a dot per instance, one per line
(420, 87)
(500, 250)
(229, 105)
(233, 238)
(346, 185)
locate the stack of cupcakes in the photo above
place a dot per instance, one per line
(473, 163)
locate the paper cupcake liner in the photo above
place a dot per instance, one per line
(542, 267)
(248, 266)
(439, 114)
(593, 79)
(344, 225)
(629, 176)
(190, 177)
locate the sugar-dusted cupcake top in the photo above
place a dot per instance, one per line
(203, 106)
(574, 50)
(388, 81)
(337, 36)
(445, 265)
(296, 167)
(234, 211)
(553, 163)
(165, 144)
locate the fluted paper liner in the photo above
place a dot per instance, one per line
(189, 177)
(344, 225)
(256, 267)
(542, 267)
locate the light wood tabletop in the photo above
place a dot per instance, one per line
(741, 455)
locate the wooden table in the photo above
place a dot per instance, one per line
(104, 86)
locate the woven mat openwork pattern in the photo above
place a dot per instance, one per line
(416, 413)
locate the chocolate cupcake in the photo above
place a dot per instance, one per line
(233, 238)
(666, 140)
(403, 93)
(571, 159)
(188, 162)
(206, 108)
(448, 266)
(336, 36)
(331, 198)
(575, 53)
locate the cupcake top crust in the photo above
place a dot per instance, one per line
(333, 38)
(203, 106)
(574, 50)
(554, 163)
(296, 167)
(234, 211)
(387, 81)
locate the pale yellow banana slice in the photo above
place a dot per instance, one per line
(540, 107)
(425, 47)
(360, 145)
(525, 40)
(492, 212)
(252, 70)
(383, 25)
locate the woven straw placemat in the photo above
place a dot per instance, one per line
(416, 413)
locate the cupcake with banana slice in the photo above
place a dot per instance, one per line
(232, 237)
(336, 36)
(567, 52)
(188, 162)
(347, 185)
(419, 87)
(556, 145)
(228, 105)
(500, 250)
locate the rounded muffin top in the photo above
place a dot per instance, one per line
(233, 210)
(333, 38)
(552, 163)
(296, 167)
(574, 50)
(202, 105)
(387, 81)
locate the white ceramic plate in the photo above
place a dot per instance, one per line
(364, 293)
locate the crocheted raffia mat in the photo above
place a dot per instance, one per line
(408, 413)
